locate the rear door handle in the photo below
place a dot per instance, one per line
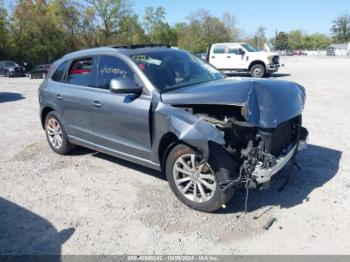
(213, 57)
(59, 97)
(228, 56)
(96, 104)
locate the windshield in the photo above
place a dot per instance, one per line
(168, 70)
(10, 64)
(250, 48)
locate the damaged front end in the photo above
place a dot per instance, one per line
(258, 153)
(260, 122)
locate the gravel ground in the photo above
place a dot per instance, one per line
(90, 203)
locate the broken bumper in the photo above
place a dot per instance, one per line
(262, 175)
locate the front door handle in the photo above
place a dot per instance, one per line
(96, 104)
(59, 97)
(213, 57)
(228, 56)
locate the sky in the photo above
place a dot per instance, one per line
(306, 15)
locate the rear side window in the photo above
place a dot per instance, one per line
(58, 75)
(81, 72)
(111, 67)
(219, 49)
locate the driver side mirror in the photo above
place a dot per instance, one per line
(124, 86)
(241, 51)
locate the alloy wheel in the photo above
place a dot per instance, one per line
(194, 178)
(54, 133)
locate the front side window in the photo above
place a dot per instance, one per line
(111, 67)
(171, 69)
(233, 50)
(81, 72)
(58, 75)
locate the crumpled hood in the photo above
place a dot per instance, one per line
(266, 103)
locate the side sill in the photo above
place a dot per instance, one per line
(115, 153)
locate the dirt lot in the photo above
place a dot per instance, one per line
(90, 203)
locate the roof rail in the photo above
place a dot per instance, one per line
(141, 46)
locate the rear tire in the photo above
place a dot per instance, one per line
(189, 187)
(257, 71)
(56, 135)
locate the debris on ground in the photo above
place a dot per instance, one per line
(262, 213)
(269, 223)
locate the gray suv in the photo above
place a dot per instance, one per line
(166, 109)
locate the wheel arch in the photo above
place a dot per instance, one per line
(44, 113)
(255, 62)
(167, 142)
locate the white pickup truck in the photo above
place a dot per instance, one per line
(242, 57)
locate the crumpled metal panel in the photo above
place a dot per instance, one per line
(266, 103)
(187, 127)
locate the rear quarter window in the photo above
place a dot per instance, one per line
(59, 73)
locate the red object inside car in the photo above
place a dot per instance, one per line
(76, 71)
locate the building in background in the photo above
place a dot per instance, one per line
(341, 49)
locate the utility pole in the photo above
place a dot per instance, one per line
(315, 41)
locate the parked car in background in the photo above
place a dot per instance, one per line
(289, 53)
(39, 71)
(298, 53)
(168, 110)
(10, 69)
(240, 57)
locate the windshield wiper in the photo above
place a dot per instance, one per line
(187, 85)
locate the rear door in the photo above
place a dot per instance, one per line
(217, 56)
(121, 121)
(74, 98)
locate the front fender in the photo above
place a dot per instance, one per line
(186, 127)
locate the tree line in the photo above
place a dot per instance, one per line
(41, 31)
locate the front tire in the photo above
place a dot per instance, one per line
(258, 71)
(56, 135)
(196, 182)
